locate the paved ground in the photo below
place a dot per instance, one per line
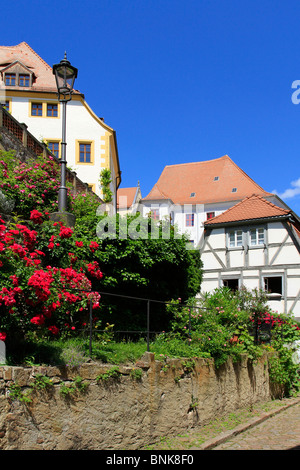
(279, 432)
(273, 425)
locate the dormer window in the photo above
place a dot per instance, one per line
(216, 178)
(10, 79)
(17, 74)
(193, 195)
(234, 190)
(24, 79)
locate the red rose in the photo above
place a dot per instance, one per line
(54, 330)
(2, 336)
(38, 319)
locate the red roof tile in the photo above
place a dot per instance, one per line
(45, 80)
(129, 194)
(211, 181)
(252, 207)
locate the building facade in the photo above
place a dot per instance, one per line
(255, 244)
(28, 91)
(192, 193)
(246, 235)
(128, 200)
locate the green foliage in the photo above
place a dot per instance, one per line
(41, 382)
(112, 373)
(221, 325)
(105, 181)
(283, 368)
(15, 393)
(136, 374)
(67, 390)
(84, 206)
(74, 388)
(158, 268)
(188, 366)
(80, 384)
(73, 356)
(28, 185)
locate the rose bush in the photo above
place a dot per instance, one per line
(45, 279)
(35, 254)
(29, 185)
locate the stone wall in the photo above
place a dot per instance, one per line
(126, 412)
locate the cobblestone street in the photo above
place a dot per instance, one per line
(280, 432)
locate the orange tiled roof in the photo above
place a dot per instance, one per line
(45, 80)
(252, 207)
(129, 193)
(177, 182)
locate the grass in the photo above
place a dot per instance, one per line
(75, 351)
(72, 351)
(197, 437)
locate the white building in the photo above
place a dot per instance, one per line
(246, 235)
(28, 90)
(255, 244)
(192, 193)
(128, 200)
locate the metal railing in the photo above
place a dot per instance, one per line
(261, 330)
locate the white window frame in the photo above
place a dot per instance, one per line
(227, 279)
(273, 294)
(256, 236)
(235, 238)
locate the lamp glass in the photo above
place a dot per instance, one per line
(65, 75)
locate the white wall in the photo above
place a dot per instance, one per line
(200, 215)
(249, 265)
(81, 125)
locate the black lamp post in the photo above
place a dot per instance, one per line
(65, 75)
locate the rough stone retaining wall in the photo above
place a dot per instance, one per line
(126, 412)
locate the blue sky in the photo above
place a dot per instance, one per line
(181, 81)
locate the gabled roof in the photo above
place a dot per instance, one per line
(126, 197)
(15, 63)
(45, 80)
(250, 208)
(210, 181)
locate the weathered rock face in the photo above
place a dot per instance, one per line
(126, 412)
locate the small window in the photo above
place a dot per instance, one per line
(54, 148)
(257, 236)
(6, 105)
(52, 110)
(273, 284)
(85, 153)
(209, 215)
(155, 214)
(36, 109)
(234, 190)
(24, 79)
(235, 238)
(232, 284)
(216, 178)
(189, 220)
(193, 195)
(10, 79)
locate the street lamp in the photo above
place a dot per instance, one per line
(65, 75)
